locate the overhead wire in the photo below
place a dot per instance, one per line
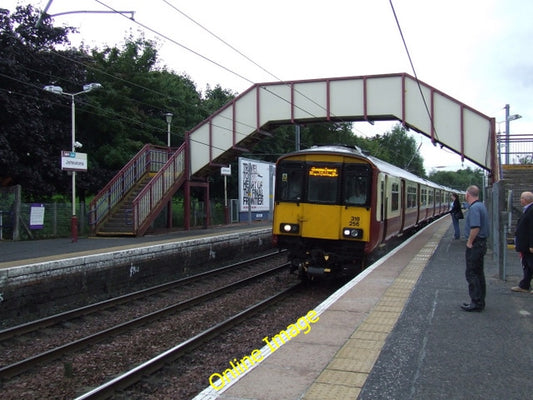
(144, 26)
(166, 37)
(413, 69)
(254, 63)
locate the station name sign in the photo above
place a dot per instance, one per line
(72, 161)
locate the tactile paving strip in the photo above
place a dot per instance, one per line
(346, 373)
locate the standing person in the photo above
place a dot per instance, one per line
(524, 242)
(456, 214)
(477, 228)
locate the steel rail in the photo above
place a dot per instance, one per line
(19, 367)
(133, 376)
(32, 326)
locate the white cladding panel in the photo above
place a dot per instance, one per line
(199, 140)
(477, 137)
(310, 100)
(222, 131)
(418, 105)
(245, 115)
(447, 121)
(384, 96)
(274, 103)
(347, 98)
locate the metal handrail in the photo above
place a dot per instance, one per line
(149, 159)
(153, 197)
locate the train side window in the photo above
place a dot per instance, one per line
(395, 197)
(323, 182)
(423, 197)
(290, 181)
(411, 196)
(356, 185)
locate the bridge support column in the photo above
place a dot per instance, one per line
(169, 214)
(187, 203)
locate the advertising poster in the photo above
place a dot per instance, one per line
(254, 185)
(36, 216)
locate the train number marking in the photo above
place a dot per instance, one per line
(354, 221)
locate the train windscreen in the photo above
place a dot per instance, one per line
(290, 181)
(356, 185)
(323, 182)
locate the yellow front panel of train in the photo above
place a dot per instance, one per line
(356, 218)
(322, 221)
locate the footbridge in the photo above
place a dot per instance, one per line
(134, 198)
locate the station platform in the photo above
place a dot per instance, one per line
(21, 253)
(397, 332)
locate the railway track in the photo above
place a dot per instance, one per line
(153, 365)
(13, 369)
(42, 323)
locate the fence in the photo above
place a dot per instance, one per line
(57, 216)
(515, 149)
(56, 222)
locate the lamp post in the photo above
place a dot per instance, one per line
(508, 118)
(168, 117)
(59, 90)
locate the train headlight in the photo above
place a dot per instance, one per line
(352, 233)
(289, 228)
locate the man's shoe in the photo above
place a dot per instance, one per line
(519, 289)
(471, 308)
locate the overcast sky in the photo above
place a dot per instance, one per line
(478, 51)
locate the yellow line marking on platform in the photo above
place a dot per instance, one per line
(345, 375)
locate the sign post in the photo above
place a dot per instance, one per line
(226, 171)
(73, 161)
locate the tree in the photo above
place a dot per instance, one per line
(399, 149)
(113, 124)
(30, 142)
(130, 110)
(458, 180)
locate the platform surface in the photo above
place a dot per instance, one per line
(24, 252)
(396, 333)
(399, 333)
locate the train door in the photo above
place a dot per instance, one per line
(418, 203)
(320, 210)
(403, 207)
(381, 199)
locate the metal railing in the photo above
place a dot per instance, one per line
(517, 149)
(149, 159)
(160, 188)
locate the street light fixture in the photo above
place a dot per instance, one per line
(168, 117)
(74, 144)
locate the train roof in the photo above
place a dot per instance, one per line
(379, 164)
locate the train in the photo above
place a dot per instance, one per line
(335, 204)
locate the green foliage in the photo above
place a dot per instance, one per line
(115, 122)
(112, 123)
(458, 180)
(31, 141)
(398, 148)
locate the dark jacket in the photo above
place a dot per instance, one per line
(456, 209)
(524, 231)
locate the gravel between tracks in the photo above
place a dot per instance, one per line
(186, 378)
(73, 375)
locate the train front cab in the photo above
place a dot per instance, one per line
(322, 212)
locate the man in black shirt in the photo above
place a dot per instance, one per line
(524, 242)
